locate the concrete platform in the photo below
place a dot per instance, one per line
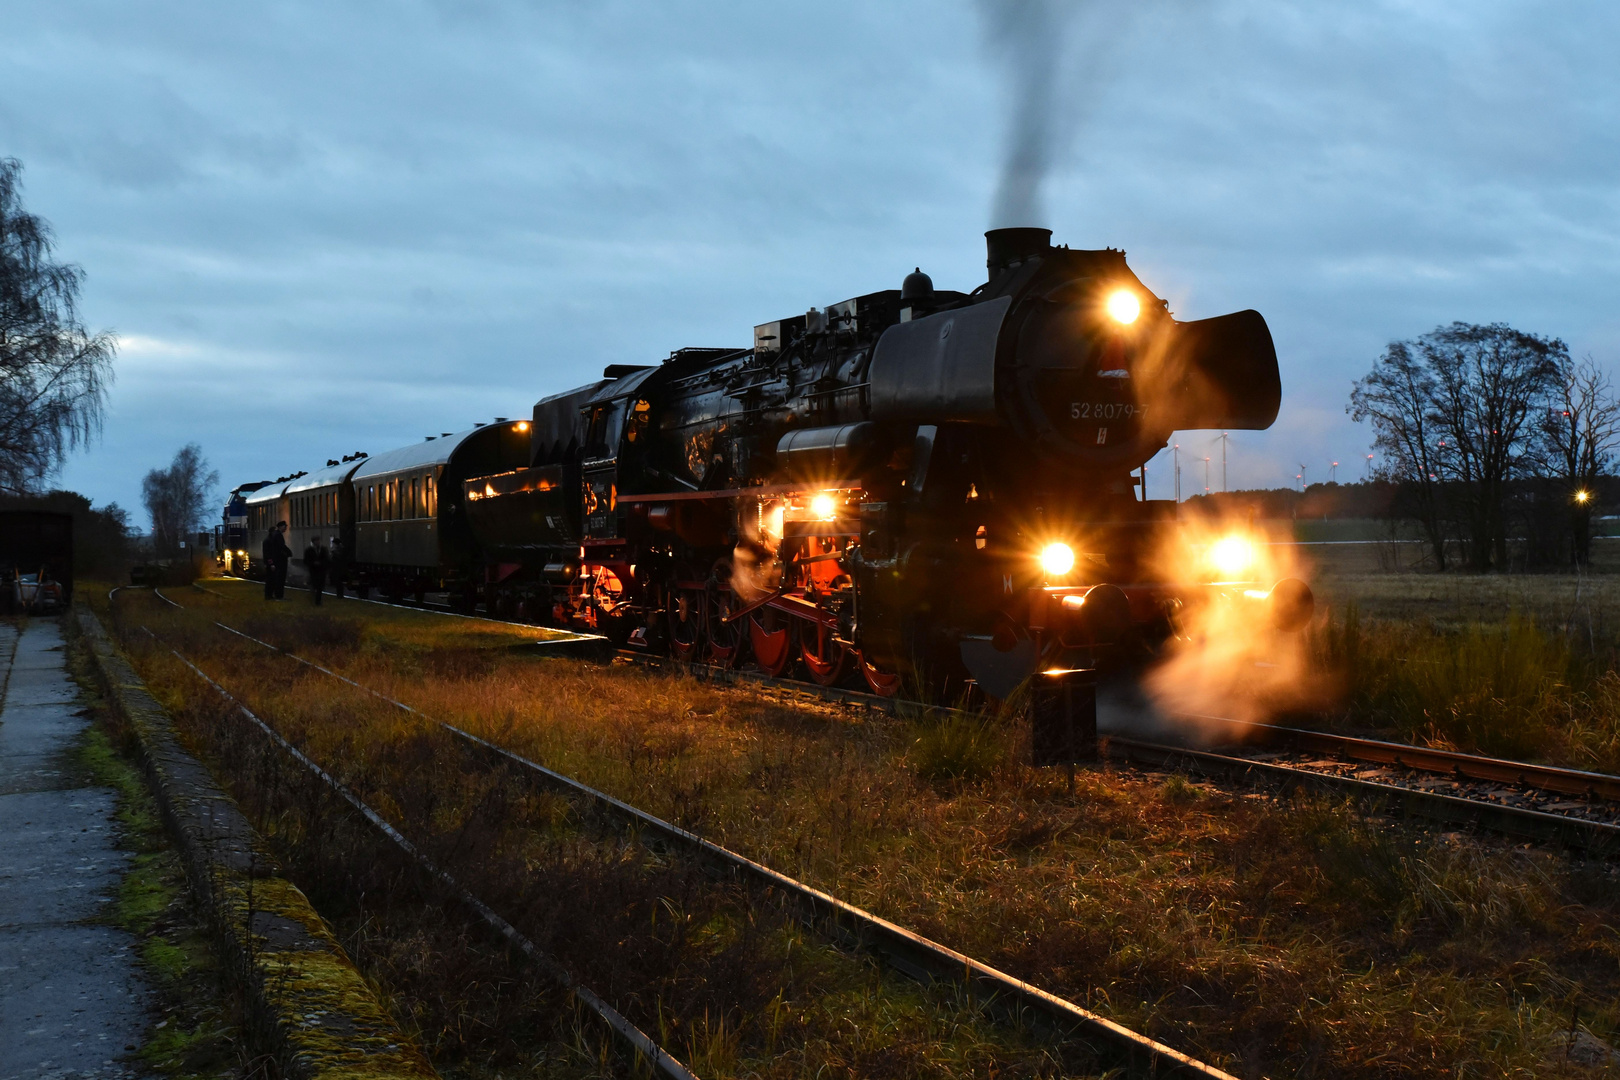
(72, 999)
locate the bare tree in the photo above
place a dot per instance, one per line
(53, 373)
(1491, 382)
(177, 498)
(1397, 397)
(1455, 412)
(1581, 432)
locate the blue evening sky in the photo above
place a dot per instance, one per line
(319, 228)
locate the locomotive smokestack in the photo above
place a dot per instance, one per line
(1006, 248)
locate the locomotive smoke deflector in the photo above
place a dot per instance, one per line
(1231, 378)
(1013, 358)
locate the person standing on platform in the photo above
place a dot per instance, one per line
(276, 555)
(315, 566)
(340, 565)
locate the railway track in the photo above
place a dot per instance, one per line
(1463, 767)
(1565, 807)
(1547, 804)
(660, 1061)
(911, 954)
(1568, 807)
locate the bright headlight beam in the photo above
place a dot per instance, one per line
(1231, 556)
(1057, 559)
(1124, 307)
(823, 507)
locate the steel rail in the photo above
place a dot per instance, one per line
(909, 953)
(661, 1061)
(1597, 837)
(435, 608)
(1591, 785)
(716, 673)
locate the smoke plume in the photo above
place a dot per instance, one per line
(1025, 39)
(1048, 88)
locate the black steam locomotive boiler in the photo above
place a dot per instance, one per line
(913, 482)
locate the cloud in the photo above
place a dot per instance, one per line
(139, 345)
(368, 222)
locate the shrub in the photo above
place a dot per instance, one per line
(959, 749)
(1511, 689)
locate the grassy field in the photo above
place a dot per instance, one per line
(1518, 665)
(1273, 939)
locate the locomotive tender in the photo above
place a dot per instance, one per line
(912, 482)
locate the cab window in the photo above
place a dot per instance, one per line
(602, 438)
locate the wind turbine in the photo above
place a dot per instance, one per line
(1302, 480)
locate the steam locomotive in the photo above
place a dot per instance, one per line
(910, 483)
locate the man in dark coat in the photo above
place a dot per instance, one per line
(276, 556)
(315, 566)
(340, 565)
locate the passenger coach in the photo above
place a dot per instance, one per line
(320, 506)
(410, 528)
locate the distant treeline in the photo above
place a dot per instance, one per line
(1375, 499)
(102, 545)
(1539, 523)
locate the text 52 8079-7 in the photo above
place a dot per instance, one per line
(1105, 410)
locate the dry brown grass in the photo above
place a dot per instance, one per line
(731, 985)
(1273, 939)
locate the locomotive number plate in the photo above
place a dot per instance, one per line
(1105, 410)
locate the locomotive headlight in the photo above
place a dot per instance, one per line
(1232, 556)
(824, 507)
(1057, 559)
(1124, 307)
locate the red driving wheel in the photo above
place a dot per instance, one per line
(825, 657)
(772, 641)
(880, 682)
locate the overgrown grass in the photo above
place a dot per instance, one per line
(1291, 939)
(959, 749)
(385, 626)
(729, 983)
(1512, 688)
